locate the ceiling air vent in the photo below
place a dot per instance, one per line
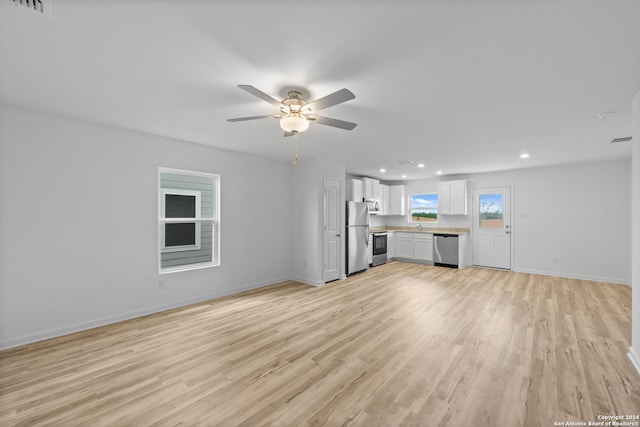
(43, 7)
(625, 139)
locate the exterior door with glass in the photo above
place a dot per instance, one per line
(492, 227)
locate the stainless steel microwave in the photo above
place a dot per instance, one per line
(373, 205)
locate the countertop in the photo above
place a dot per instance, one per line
(414, 229)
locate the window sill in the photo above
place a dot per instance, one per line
(189, 267)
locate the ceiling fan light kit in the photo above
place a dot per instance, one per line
(297, 113)
(294, 123)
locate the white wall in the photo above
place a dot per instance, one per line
(305, 234)
(634, 351)
(307, 213)
(78, 224)
(579, 214)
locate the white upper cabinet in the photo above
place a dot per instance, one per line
(452, 197)
(458, 197)
(384, 199)
(444, 198)
(397, 200)
(393, 198)
(371, 187)
(355, 190)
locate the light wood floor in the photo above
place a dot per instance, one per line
(399, 345)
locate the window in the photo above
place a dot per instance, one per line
(188, 220)
(423, 208)
(490, 211)
(176, 206)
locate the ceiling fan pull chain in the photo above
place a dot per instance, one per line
(295, 143)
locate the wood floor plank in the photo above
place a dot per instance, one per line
(399, 345)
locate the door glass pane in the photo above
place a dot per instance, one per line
(490, 211)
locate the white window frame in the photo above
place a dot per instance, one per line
(214, 221)
(411, 208)
(189, 220)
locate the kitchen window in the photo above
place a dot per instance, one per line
(423, 208)
(188, 220)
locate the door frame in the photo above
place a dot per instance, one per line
(473, 228)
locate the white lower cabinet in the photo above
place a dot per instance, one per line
(404, 245)
(414, 246)
(464, 251)
(391, 245)
(418, 247)
(423, 247)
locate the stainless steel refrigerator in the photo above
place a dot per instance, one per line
(357, 237)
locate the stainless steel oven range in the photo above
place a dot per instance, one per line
(379, 249)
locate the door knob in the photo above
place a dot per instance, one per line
(507, 231)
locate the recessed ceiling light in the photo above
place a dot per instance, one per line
(439, 173)
(420, 165)
(404, 176)
(525, 155)
(383, 170)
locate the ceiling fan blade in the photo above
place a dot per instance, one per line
(260, 94)
(330, 100)
(242, 119)
(334, 122)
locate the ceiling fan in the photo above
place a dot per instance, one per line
(296, 113)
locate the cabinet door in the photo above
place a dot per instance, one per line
(397, 199)
(423, 249)
(444, 198)
(404, 246)
(384, 199)
(357, 190)
(458, 201)
(464, 256)
(371, 187)
(391, 245)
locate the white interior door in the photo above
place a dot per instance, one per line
(332, 253)
(492, 227)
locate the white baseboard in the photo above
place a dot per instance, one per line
(306, 281)
(633, 356)
(573, 276)
(83, 326)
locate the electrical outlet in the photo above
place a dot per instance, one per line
(162, 285)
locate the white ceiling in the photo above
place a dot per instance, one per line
(463, 86)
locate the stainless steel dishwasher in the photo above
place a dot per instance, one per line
(445, 250)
